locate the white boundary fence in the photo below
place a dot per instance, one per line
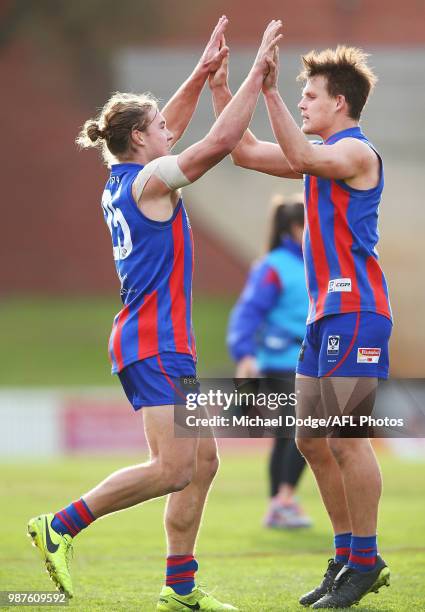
(42, 423)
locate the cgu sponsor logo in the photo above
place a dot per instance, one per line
(339, 284)
(368, 355)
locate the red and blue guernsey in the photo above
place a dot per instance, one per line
(341, 233)
(154, 262)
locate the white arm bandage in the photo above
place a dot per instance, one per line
(166, 169)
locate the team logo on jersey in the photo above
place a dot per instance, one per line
(333, 345)
(339, 284)
(368, 355)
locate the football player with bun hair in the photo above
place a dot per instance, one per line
(152, 344)
(345, 349)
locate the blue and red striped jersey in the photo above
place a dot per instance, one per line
(154, 262)
(340, 237)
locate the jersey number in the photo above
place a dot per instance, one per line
(118, 226)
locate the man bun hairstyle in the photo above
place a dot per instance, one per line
(92, 131)
(110, 131)
(346, 72)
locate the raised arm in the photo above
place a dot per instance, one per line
(164, 175)
(250, 153)
(235, 118)
(180, 108)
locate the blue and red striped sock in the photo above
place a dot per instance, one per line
(181, 573)
(363, 553)
(73, 518)
(342, 547)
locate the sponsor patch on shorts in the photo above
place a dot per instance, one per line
(339, 284)
(368, 355)
(333, 345)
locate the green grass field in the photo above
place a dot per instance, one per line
(119, 561)
(64, 341)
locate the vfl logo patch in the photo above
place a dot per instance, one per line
(333, 345)
(339, 284)
(368, 355)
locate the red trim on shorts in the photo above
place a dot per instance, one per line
(170, 382)
(347, 352)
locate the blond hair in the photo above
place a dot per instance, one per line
(346, 72)
(110, 131)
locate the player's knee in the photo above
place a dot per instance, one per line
(343, 449)
(208, 466)
(177, 476)
(214, 464)
(312, 449)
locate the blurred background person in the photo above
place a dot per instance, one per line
(265, 333)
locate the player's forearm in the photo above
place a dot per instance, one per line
(221, 96)
(236, 115)
(180, 108)
(295, 146)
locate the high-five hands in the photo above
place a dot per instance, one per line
(219, 78)
(265, 55)
(215, 51)
(270, 81)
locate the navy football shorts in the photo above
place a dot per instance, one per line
(349, 344)
(162, 380)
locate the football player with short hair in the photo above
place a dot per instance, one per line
(345, 349)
